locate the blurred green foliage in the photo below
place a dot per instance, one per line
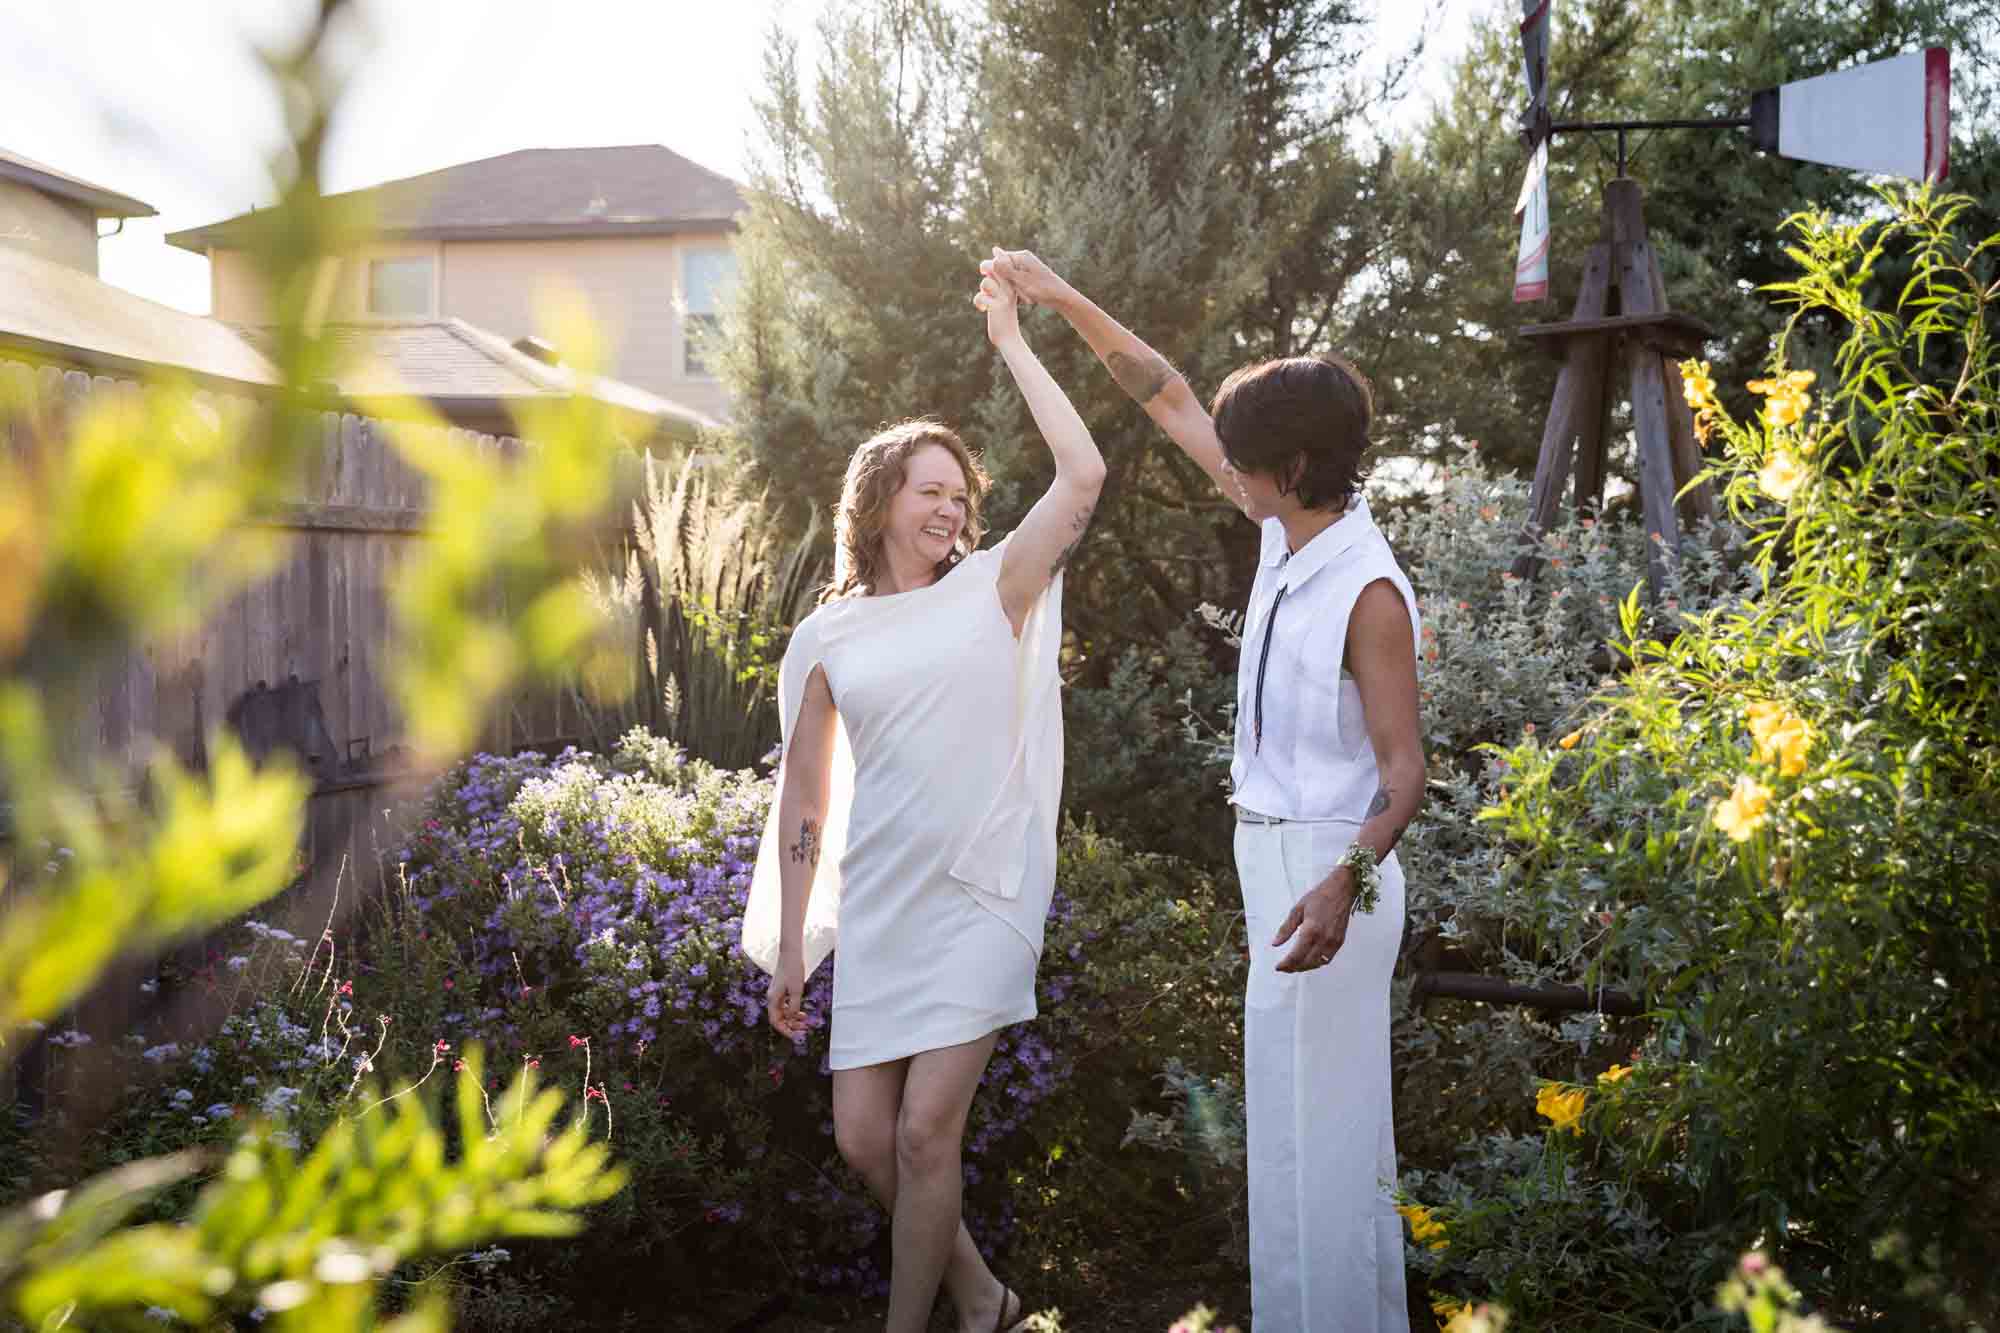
(128, 516)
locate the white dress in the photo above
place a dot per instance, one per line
(937, 860)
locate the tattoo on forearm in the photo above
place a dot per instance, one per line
(1077, 526)
(806, 849)
(1380, 804)
(1143, 378)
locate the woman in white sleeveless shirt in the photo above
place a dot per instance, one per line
(1328, 772)
(915, 818)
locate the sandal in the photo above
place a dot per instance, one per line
(1007, 1295)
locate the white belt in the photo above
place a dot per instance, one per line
(1245, 815)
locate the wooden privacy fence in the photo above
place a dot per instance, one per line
(298, 659)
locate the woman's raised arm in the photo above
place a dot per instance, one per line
(1049, 534)
(1140, 371)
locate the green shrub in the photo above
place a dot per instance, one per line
(1780, 824)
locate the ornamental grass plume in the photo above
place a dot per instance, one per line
(1563, 1107)
(1782, 737)
(1744, 810)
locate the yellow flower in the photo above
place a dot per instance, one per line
(1446, 1308)
(1786, 399)
(1782, 737)
(1698, 386)
(1613, 1075)
(1782, 475)
(1424, 1229)
(1744, 811)
(1569, 742)
(1563, 1107)
(1476, 1319)
(1797, 381)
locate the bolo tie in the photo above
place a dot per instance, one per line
(1263, 660)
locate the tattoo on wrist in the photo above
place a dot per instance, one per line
(1077, 525)
(806, 850)
(1143, 378)
(1381, 802)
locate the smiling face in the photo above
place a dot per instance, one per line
(929, 512)
(908, 510)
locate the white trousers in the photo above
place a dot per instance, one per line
(1326, 1244)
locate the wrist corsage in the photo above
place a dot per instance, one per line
(1362, 862)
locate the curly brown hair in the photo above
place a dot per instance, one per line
(875, 474)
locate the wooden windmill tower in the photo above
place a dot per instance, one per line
(1891, 116)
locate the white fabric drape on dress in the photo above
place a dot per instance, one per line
(1007, 861)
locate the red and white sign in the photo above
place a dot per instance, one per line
(1891, 117)
(1531, 267)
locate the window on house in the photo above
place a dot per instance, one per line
(399, 287)
(706, 277)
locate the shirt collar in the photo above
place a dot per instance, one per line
(1338, 537)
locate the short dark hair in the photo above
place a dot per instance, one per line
(1301, 419)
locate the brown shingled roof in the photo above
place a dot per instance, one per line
(64, 312)
(641, 189)
(452, 364)
(105, 203)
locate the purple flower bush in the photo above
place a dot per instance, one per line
(574, 906)
(580, 914)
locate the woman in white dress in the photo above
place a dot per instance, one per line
(1328, 772)
(915, 816)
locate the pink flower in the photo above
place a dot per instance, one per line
(576, 1041)
(441, 1047)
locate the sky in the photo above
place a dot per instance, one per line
(162, 99)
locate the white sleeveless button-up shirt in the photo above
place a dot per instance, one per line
(1316, 760)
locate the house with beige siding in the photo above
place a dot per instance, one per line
(54, 311)
(644, 235)
(53, 215)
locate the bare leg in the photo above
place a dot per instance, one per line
(867, 1106)
(930, 1186)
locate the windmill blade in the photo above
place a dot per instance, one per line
(1535, 67)
(1531, 264)
(1891, 117)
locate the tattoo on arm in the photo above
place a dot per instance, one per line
(1380, 804)
(806, 849)
(1142, 378)
(1077, 525)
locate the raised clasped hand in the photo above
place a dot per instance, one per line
(1317, 924)
(997, 298)
(1034, 282)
